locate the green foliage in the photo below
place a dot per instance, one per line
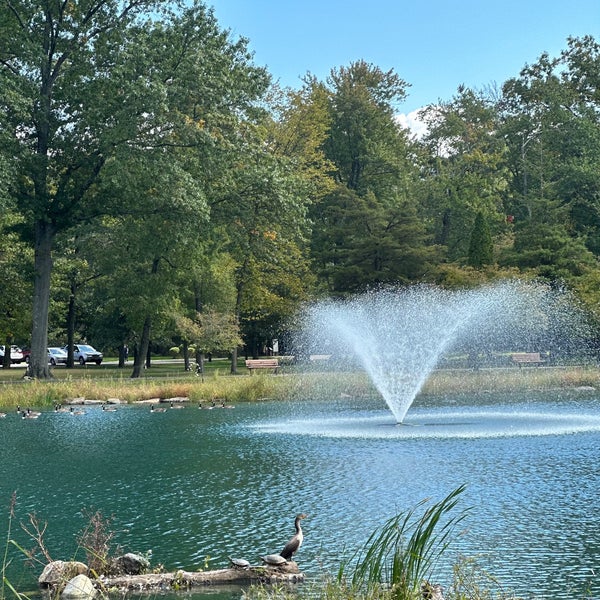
(162, 177)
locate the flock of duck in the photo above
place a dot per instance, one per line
(27, 413)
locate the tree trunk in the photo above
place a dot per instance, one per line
(186, 355)
(123, 355)
(44, 237)
(200, 363)
(71, 326)
(140, 355)
(234, 359)
(238, 310)
(6, 359)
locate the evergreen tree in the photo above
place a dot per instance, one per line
(481, 249)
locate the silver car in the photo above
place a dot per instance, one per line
(84, 353)
(57, 356)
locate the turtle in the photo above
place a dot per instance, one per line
(239, 563)
(275, 560)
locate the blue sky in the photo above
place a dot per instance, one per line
(434, 45)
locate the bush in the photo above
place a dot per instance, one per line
(174, 352)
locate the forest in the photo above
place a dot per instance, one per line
(158, 188)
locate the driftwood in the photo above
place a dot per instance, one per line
(287, 573)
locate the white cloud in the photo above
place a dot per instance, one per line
(412, 122)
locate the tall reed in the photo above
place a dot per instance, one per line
(401, 555)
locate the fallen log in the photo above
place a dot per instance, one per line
(287, 573)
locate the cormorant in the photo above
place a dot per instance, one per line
(296, 540)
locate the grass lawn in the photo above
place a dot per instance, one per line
(161, 366)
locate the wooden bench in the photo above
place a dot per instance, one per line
(262, 363)
(527, 358)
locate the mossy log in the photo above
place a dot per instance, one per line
(287, 573)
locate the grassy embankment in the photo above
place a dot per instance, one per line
(168, 379)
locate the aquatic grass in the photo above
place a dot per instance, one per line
(402, 554)
(290, 384)
(445, 381)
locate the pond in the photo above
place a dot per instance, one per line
(196, 486)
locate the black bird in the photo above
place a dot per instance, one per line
(296, 540)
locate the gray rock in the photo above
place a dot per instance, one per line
(59, 571)
(80, 587)
(131, 564)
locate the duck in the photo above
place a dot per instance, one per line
(33, 413)
(157, 410)
(76, 412)
(177, 405)
(26, 415)
(2, 415)
(107, 408)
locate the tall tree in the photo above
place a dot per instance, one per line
(551, 119)
(94, 81)
(367, 230)
(465, 173)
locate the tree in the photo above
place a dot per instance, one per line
(209, 331)
(367, 230)
(94, 82)
(464, 171)
(551, 120)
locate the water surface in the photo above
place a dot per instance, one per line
(195, 486)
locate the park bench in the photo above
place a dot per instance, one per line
(262, 363)
(527, 358)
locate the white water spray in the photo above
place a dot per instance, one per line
(399, 335)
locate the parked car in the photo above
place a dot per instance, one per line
(16, 356)
(83, 353)
(57, 356)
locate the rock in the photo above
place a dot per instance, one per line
(59, 571)
(130, 564)
(79, 587)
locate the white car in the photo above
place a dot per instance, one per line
(83, 353)
(57, 356)
(16, 356)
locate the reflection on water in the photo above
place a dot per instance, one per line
(197, 485)
(441, 423)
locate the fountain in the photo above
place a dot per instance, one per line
(399, 335)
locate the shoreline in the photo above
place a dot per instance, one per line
(291, 385)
